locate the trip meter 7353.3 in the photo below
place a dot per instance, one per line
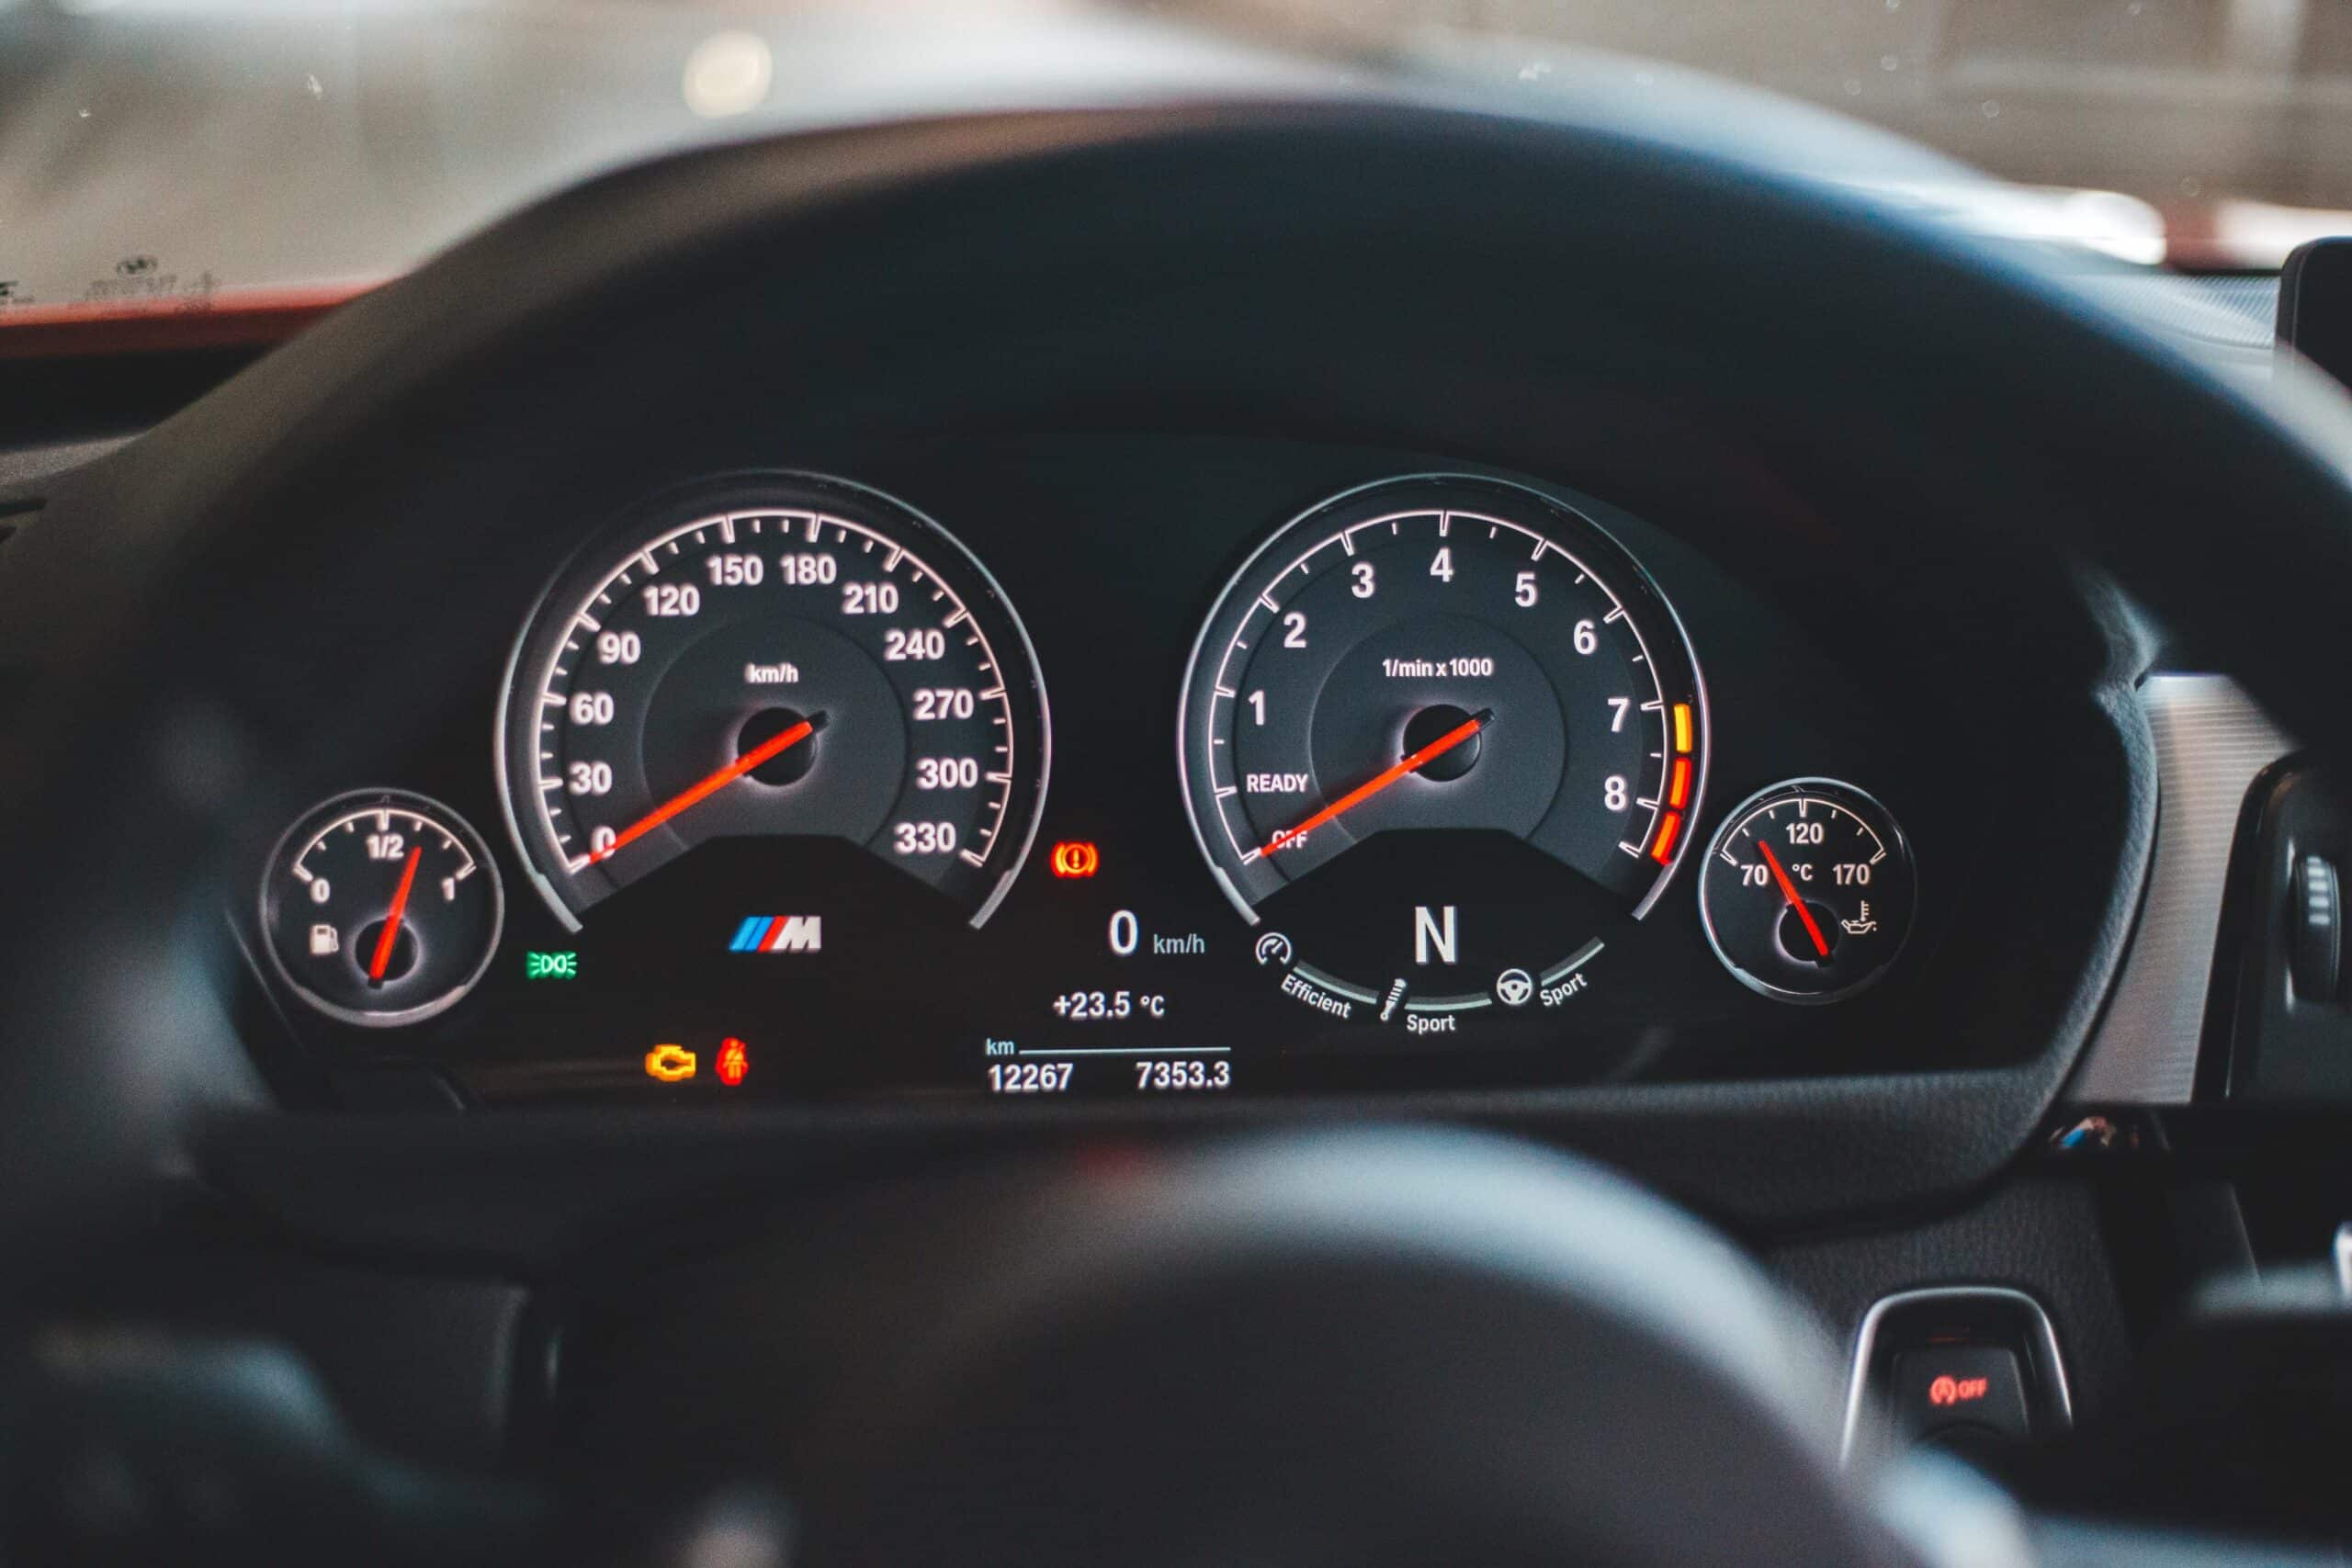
(778, 658)
(1442, 739)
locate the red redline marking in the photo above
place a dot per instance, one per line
(1678, 792)
(1386, 776)
(1789, 891)
(697, 793)
(1670, 827)
(383, 955)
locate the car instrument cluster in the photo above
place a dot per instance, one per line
(782, 809)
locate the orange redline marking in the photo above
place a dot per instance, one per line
(1670, 827)
(1682, 727)
(1677, 790)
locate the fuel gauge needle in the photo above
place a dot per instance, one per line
(1413, 763)
(694, 794)
(382, 957)
(1789, 891)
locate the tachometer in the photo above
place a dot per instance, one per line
(776, 657)
(1440, 740)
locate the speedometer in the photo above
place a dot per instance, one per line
(779, 657)
(1442, 739)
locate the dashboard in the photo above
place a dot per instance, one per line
(1167, 765)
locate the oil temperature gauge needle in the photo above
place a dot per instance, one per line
(1414, 762)
(382, 956)
(694, 794)
(1789, 891)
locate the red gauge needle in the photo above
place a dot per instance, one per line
(1386, 776)
(1789, 891)
(383, 955)
(696, 795)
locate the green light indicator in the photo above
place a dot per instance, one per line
(550, 966)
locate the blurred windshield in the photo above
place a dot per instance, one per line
(174, 154)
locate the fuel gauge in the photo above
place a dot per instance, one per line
(381, 908)
(1808, 891)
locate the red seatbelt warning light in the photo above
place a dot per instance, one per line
(734, 1061)
(1073, 859)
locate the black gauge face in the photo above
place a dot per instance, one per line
(784, 658)
(381, 908)
(1808, 891)
(1440, 740)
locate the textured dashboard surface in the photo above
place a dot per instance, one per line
(2211, 739)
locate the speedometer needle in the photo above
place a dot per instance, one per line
(1413, 763)
(1789, 891)
(382, 957)
(766, 750)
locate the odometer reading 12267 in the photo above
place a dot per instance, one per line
(776, 657)
(1441, 738)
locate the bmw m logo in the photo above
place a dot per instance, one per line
(779, 933)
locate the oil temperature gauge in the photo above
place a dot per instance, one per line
(1808, 891)
(381, 908)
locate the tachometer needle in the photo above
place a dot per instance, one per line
(382, 956)
(775, 746)
(1789, 891)
(1386, 776)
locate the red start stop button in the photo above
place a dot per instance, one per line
(1936, 1390)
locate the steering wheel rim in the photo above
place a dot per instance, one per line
(1369, 1346)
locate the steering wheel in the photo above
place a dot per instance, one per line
(1304, 1347)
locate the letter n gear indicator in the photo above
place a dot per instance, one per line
(1445, 729)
